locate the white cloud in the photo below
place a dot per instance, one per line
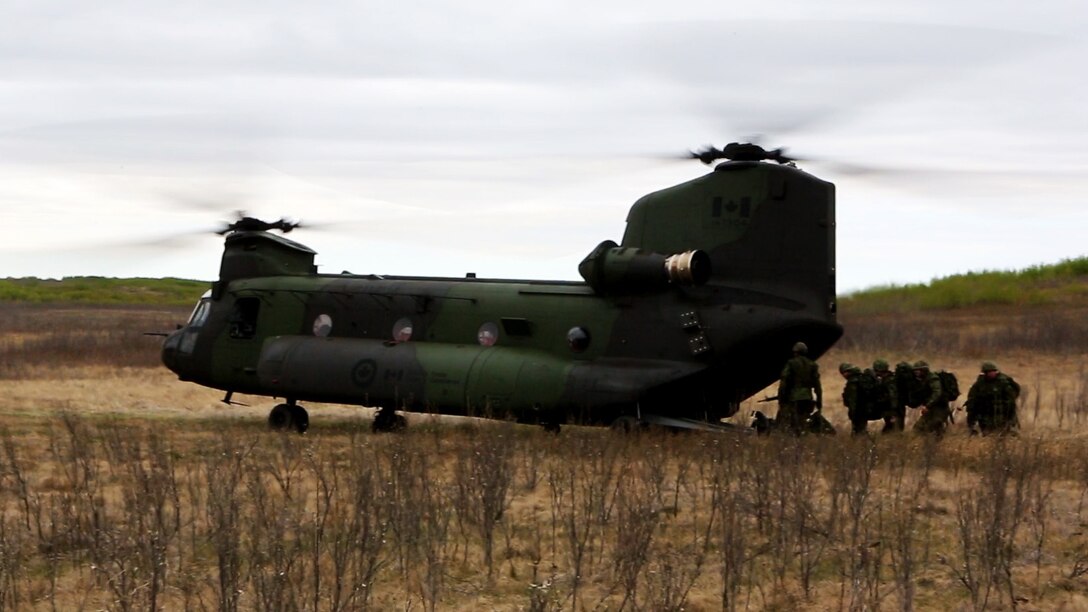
(510, 140)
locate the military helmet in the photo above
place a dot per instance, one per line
(880, 366)
(845, 367)
(989, 366)
(920, 365)
(800, 347)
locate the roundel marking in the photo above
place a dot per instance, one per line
(363, 373)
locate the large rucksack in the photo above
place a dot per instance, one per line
(1015, 387)
(906, 385)
(868, 395)
(950, 387)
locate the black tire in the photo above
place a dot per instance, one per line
(625, 424)
(387, 420)
(399, 422)
(300, 419)
(280, 417)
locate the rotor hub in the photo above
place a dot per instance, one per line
(253, 224)
(740, 151)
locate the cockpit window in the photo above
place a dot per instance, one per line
(243, 319)
(200, 313)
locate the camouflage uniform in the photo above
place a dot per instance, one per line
(886, 401)
(906, 386)
(935, 408)
(852, 397)
(991, 402)
(797, 386)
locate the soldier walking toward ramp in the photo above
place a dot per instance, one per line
(906, 388)
(853, 398)
(870, 395)
(886, 401)
(991, 402)
(932, 401)
(799, 391)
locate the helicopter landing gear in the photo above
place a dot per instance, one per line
(300, 418)
(289, 416)
(388, 420)
(626, 424)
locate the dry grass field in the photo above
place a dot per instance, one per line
(124, 489)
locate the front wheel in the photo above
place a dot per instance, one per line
(279, 417)
(289, 416)
(300, 419)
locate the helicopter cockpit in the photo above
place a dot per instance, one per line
(201, 310)
(186, 336)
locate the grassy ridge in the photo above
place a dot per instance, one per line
(1060, 283)
(100, 290)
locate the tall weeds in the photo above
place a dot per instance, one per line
(124, 516)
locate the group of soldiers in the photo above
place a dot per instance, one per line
(884, 394)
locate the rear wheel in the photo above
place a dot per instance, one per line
(625, 424)
(289, 416)
(388, 420)
(300, 419)
(280, 417)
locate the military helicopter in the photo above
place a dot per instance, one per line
(695, 310)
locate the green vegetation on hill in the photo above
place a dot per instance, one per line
(1059, 283)
(105, 291)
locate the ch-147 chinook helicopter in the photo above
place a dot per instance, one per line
(696, 310)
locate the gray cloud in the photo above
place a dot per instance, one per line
(359, 109)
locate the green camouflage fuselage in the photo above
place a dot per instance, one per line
(630, 340)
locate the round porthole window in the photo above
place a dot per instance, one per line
(488, 334)
(578, 339)
(322, 325)
(402, 330)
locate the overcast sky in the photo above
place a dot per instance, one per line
(432, 138)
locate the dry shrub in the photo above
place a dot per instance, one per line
(41, 339)
(129, 515)
(974, 332)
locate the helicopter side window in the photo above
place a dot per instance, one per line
(322, 325)
(578, 339)
(488, 334)
(243, 319)
(402, 330)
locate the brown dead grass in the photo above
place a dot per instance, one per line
(748, 523)
(552, 478)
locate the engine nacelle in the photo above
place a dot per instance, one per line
(610, 268)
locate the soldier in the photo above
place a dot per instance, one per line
(799, 391)
(906, 389)
(991, 402)
(931, 401)
(886, 402)
(853, 398)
